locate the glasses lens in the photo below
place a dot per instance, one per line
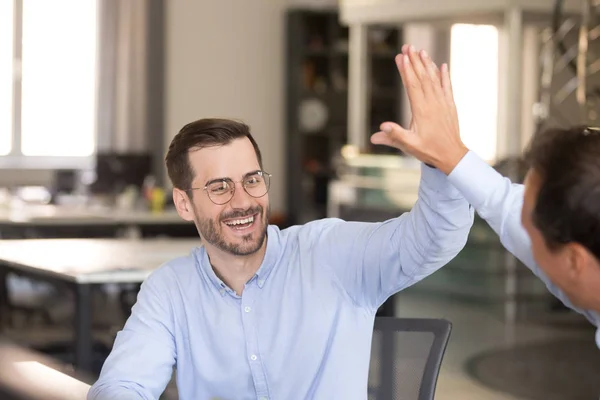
(220, 192)
(257, 185)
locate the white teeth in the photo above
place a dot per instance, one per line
(241, 221)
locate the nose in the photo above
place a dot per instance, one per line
(240, 200)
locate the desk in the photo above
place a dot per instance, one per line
(40, 221)
(29, 375)
(83, 263)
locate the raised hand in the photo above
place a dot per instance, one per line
(434, 134)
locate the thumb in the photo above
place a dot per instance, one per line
(391, 134)
(381, 138)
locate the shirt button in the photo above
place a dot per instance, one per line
(260, 283)
(263, 398)
(253, 357)
(247, 309)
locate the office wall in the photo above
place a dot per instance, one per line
(226, 59)
(25, 177)
(313, 3)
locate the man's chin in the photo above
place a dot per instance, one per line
(246, 245)
(243, 248)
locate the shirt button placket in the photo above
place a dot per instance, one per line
(250, 332)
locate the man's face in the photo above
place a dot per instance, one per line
(555, 263)
(239, 226)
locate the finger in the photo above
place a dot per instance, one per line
(437, 71)
(431, 68)
(433, 74)
(393, 135)
(410, 81)
(447, 83)
(420, 69)
(391, 128)
(382, 138)
(405, 49)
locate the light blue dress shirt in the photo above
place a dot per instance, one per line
(302, 327)
(499, 202)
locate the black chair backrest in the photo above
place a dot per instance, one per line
(406, 355)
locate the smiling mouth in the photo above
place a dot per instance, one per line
(241, 223)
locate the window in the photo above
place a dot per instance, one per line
(474, 73)
(52, 66)
(6, 76)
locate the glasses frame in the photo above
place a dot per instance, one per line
(234, 186)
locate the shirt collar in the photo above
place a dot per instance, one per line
(269, 262)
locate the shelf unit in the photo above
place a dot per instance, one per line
(317, 102)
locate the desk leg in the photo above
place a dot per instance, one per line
(83, 327)
(4, 306)
(388, 308)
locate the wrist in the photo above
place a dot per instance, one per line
(451, 159)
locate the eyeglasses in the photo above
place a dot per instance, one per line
(221, 191)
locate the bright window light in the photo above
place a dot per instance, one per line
(59, 77)
(6, 75)
(474, 73)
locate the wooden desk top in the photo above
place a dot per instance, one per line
(34, 376)
(45, 215)
(93, 260)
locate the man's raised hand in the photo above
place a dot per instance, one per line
(434, 134)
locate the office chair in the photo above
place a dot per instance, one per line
(406, 355)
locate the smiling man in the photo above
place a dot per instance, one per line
(257, 312)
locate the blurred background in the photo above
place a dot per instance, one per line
(92, 92)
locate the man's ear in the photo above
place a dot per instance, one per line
(578, 259)
(183, 204)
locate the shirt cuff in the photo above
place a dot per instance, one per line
(475, 179)
(434, 180)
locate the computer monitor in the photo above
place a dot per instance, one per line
(116, 171)
(65, 181)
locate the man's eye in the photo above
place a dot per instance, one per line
(253, 180)
(219, 188)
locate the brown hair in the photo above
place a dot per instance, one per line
(199, 134)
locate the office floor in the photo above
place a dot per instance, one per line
(476, 329)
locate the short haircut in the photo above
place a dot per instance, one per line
(568, 203)
(208, 132)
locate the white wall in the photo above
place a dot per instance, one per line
(225, 58)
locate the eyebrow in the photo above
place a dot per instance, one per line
(229, 179)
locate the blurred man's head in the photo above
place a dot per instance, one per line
(215, 166)
(561, 210)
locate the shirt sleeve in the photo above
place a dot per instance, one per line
(372, 261)
(499, 202)
(141, 362)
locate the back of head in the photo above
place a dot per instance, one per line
(568, 202)
(208, 132)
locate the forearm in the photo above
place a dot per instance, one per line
(375, 260)
(120, 390)
(437, 227)
(499, 202)
(143, 355)
(139, 366)
(372, 261)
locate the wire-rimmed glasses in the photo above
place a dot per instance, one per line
(220, 191)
